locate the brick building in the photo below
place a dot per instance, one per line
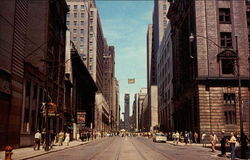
(206, 87)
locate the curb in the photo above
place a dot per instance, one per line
(25, 158)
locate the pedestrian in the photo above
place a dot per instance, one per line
(232, 143)
(60, 138)
(43, 138)
(195, 137)
(223, 142)
(52, 138)
(67, 138)
(213, 141)
(88, 135)
(204, 139)
(190, 137)
(186, 137)
(173, 137)
(177, 137)
(37, 140)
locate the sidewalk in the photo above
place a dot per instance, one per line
(28, 152)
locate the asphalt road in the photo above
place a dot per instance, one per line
(131, 148)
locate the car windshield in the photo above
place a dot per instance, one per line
(159, 134)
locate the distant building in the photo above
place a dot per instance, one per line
(126, 114)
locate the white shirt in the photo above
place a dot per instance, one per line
(38, 135)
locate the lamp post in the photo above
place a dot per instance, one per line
(191, 39)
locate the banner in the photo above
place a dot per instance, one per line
(131, 81)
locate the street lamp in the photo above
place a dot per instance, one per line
(191, 39)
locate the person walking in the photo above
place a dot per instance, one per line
(67, 138)
(186, 137)
(213, 141)
(37, 140)
(88, 135)
(223, 142)
(232, 143)
(174, 137)
(203, 139)
(60, 138)
(177, 136)
(195, 137)
(190, 137)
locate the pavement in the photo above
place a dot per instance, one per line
(29, 152)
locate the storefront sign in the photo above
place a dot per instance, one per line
(81, 116)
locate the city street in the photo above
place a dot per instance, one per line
(131, 148)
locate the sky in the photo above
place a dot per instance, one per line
(124, 25)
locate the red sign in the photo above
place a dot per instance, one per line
(81, 116)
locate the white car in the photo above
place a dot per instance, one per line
(159, 137)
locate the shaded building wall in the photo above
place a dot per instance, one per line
(13, 29)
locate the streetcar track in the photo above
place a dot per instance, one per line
(149, 145)
(118, 153)
(99, 153)
(143, 157)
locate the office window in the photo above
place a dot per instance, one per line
(229, 98)
(82, 15)
(82, 23)
(224, 15)
(226, 39)
(90, 51)
(75, 23)
(164, 6)
(82, 31)
(75, 7)
(68, 23)
(91, 13)
(81, 47)
(74, 30)
(229, 117)
(227, 66)
(68, 15)
(81, 39)
(74, 39)
(91, 35)
(82, 7)
(75, 15)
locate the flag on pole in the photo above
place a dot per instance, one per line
(131, 81)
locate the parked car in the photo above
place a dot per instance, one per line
(159, 137)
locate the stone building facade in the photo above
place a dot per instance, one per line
(164, 81)
(205, 73)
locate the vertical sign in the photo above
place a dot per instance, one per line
(81, 116)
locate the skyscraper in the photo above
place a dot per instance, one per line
(126, 116)
(84, 24)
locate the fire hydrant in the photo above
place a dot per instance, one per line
(8, 152)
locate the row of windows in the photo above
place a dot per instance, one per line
(81, 39)
(75, 7)
(81, 31)
(75, 23)
(75, 15)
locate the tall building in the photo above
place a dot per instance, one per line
(126, 115)
(156, 33)
(32, 53)
(84, 23)
(109, 81)
(164, 81)
(210, 40)
(13, 26)
(141, 96)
